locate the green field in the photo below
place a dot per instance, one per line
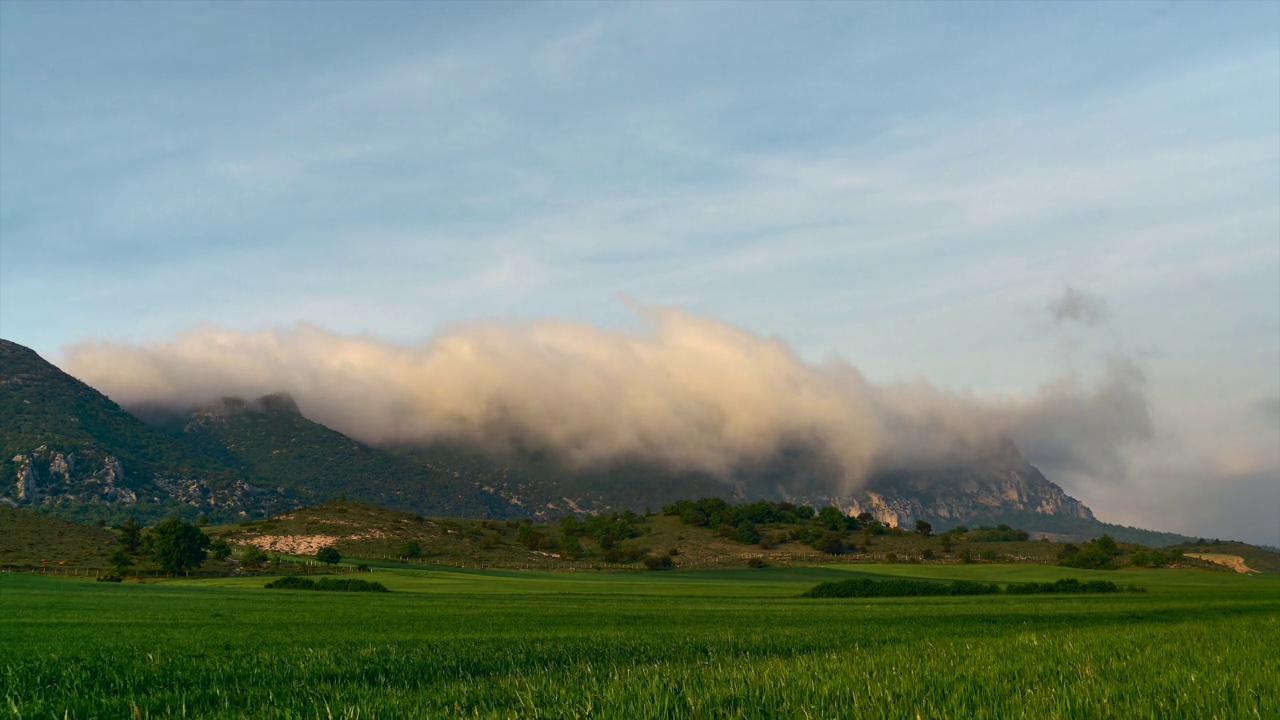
(715, 643)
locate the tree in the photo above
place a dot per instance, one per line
(831, 518)
(410, 549)
(252, 557)
(202, 520)
(220, 549)
(328, 555)
(177, 546)
(131, 535)
(924, 528)
(946, 543)
(120, 560)
(571, 547)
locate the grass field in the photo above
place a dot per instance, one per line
(714, 643)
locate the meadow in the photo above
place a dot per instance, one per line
(711, 643)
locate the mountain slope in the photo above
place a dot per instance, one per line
(67, 449)
(270, 441)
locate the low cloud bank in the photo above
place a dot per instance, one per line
(686, 391)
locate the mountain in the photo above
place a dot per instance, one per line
(270, 441)
(67, 449)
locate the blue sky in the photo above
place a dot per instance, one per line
(908, 186)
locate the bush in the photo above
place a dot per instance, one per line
(622, 553)
(755, 563)
(999, 533)
(829, 543)
(658, 562)
(110, 578)
(328, 555)
(410, 549)
(220, 549)
(252, 557)
(328, 584)
(867, 588)
(1066, 586)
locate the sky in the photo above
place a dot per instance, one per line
(990, 198)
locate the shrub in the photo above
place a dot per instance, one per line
(252, 557)
(658, 562)
(329, 584)
(867, 588)
(111, 577)
(328, 555)
(410, 549)
(220, 549)
(829, 543)
(755, 563)
(622, 553)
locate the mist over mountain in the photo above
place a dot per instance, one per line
(687, 393)
(71, 452)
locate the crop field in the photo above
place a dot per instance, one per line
(714, 643)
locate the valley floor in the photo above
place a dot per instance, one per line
(715, 643)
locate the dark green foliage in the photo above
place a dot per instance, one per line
(1155, 558)
(131, 535)
(571, 548)
(923, 528)
(830, 543)
(743, 523)
(252, 557)
(658, 562)
(176, 546)
(220, 549)
(120, 561)
(110, 577)
(328, 555)
(1066, 586)
(1099, 554)
(622, 553)
(755, 562)
(867, 588)
(410, 549)
(999, 533)
(330, 584)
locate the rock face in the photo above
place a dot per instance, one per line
(987, 484)
(46, 473)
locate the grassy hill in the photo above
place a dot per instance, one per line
(32, 540)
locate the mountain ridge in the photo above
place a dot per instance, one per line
(71, 451)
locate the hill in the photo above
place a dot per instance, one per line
(270, 441)
(68, 450)
(32, 540)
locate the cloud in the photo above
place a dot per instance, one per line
(686, 391)
(1075, 306)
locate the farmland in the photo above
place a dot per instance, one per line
(701, 643)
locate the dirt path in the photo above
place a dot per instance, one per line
(1235, 562)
